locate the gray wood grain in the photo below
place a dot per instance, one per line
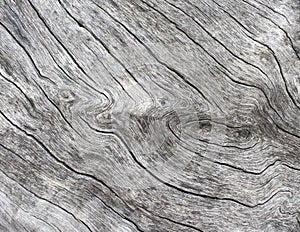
(143, 115)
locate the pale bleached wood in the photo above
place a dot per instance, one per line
(145, 115)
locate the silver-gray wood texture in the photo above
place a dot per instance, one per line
(149, 115)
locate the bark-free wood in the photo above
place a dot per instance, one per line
(143, 115)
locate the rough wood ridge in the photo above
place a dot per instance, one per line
(150, 115)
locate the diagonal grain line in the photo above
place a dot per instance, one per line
(195, 42)
(72, 193)
(206, 196)
(107, 206)
(116, 212)
(57, 108)
(27, 53)
(11, 151)
(173, 221)
(30, 101)
(14, 19)
(246, 171)
(62, 115)
(156, 215)
(291, 167)
(27, 98)
(271, 197)
(58, 40)
(183, 32)
(284, 130)
(257, 87)
(58, 65)
(81, 25)
(72, 79)
(100, 7)
(271, 51)
(176, 72)
(183, 77)
(118, 137)
(173, 70)
(212, 197)
(217, 40)
(142, 166)
(45, 48)
(104, 45)
(230, 165)
(47, 223)
(61, 162)
(45, 199)
(286, 34)
(284, 31)
(67, 51)
(166, 183)
(285, 81)
(270, 8)
(114, 78)
(42, 90)
(183, 190)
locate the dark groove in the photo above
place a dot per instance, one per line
(284, 31)
(153, 55)
(221, 163)
(285, 81)
(58, 40)
(104, 45)
(11, 151)
(272, 52)
(257, 87)
(286, 34)
(27, 53)
(119, 214)
(217, 40)
(115, 79)
(27, 98)
(246, 171)
(156, 215)
(291, 167)
(67, 51)
(270, 8)
(173, 221)
(170, 185)
(40, 219)
(209, 142)
(38, 84)
(54, 60)
(262, 183)
(44, 199)
(195, 42)
(61, 162)
(57, 108)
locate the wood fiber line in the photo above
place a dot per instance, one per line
(145, 115)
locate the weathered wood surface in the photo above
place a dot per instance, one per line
(143, 115)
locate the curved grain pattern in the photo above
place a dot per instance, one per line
(146, 115)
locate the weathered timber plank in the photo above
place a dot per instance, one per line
(145, 115)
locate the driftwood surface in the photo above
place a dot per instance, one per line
(150, 115)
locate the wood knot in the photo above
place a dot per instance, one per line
(67, 96)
